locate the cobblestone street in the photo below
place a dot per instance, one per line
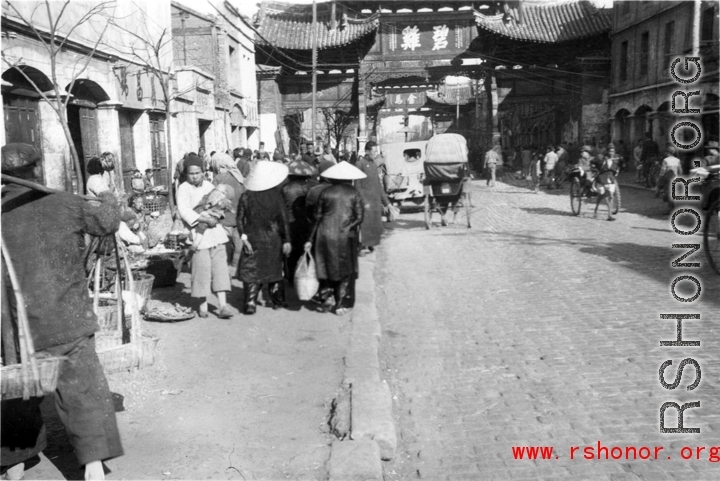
(538, 328)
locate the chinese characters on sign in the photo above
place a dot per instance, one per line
(411, 38)
(416, 99)
(439, 38)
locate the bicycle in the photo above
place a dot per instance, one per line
(581, 187)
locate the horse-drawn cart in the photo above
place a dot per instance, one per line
(447, 177)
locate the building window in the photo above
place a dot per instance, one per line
(669, 38)
(706, 24)
(644, 53)
(624, 7)
(623, 60)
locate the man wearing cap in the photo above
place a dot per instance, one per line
(41, 233)
(262, 223)
(209, 270)
(338, 213)
(374, 196)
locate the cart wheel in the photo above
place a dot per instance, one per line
(616, 199)
(468, 203)
(711, 236)
(427, 212)
(576, 192)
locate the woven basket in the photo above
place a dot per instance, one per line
(129, 356)
(140, 351)
(107, 317)
(12, 378)
(154, 203)
(36, 375)
(143, 286)
(107, 339)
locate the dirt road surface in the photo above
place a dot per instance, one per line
(242, 398)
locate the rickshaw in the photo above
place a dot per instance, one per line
(581, 187)
(404, 173)
(447, 177)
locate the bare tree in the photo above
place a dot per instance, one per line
(337, 124)
(54, 41)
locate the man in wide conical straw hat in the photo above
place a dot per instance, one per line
(338, 214)
(262, 223)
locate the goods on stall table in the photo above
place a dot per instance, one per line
(164, 311)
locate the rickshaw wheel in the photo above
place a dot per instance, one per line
(616, 199)
(427, 212)
(467, 209)
(576, 196)
(711, 236)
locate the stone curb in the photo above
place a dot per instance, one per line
(373, 435)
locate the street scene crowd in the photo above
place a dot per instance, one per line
(254, 226)
(150, 166)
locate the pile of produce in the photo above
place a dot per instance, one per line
(165, 311)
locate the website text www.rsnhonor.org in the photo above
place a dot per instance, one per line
(602, 452)
(689, 279)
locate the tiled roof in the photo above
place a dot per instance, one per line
(547, 22)
(290, 27)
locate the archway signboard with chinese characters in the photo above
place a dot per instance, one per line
(419, 36)
(410, 45)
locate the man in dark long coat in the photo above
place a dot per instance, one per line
(338, 213)
(301, 178)
(374, 197)
(42, 233)
(262, 223)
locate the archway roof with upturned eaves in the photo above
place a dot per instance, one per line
(547, 21)
(289, 26)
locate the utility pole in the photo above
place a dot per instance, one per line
(314, 68)
(697, 9)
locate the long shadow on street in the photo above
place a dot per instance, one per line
(628, 254)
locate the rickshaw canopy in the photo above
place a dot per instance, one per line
(446, 149)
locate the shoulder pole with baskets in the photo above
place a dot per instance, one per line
(33, 377)
(140, 351)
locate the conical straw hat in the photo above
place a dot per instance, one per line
(265, 175)
(343, 171)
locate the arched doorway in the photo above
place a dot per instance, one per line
(622, 127)
(82, 118)
(665, 121)
(643, 123)
(20, 104)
